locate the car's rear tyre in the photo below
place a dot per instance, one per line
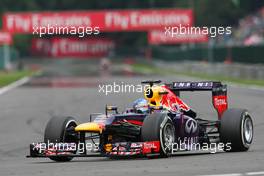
(159, 127)
(236, 130)
(57, 130)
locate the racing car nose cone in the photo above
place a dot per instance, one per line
(89, 127)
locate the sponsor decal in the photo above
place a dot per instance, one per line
(105, 20)
(193, 85)
(6, 38)
(220, 104)
(159, 37)
(71, 47)
(218, 101)
(190, 126)
(136, 145)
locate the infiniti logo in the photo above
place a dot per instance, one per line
(190, 126)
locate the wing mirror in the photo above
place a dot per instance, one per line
(110, 109)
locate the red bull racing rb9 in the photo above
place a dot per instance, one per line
(158, 125)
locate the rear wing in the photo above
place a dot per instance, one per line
(219, 92)
(195, 86)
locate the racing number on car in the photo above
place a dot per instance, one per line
(190, 126)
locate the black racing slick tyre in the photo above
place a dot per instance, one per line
(236, 130)
(159, 127)
(58, 130)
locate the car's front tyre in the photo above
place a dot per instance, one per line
(159, 127)
(57, 131)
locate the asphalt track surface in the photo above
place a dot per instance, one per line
(26, 110)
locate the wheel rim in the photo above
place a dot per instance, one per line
(69, 124)
(168, 136)
(248, 130)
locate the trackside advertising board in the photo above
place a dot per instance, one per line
(71, 47)
(105, 20)
(160, 37)
(5, 38)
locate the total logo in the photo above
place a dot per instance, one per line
(149, 145)
(219, 102)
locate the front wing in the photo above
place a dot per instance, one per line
(40, 150)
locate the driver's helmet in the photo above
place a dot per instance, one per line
(140, 105)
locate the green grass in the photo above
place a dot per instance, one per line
(9, 77)
(150, 69)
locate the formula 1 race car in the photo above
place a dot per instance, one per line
(159, 125)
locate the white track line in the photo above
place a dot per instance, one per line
(237, 174)
(14, 85)
(255, 173)
(233, 174)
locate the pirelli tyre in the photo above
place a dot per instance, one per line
(236, 130)
(60, 129)
(159, 127)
